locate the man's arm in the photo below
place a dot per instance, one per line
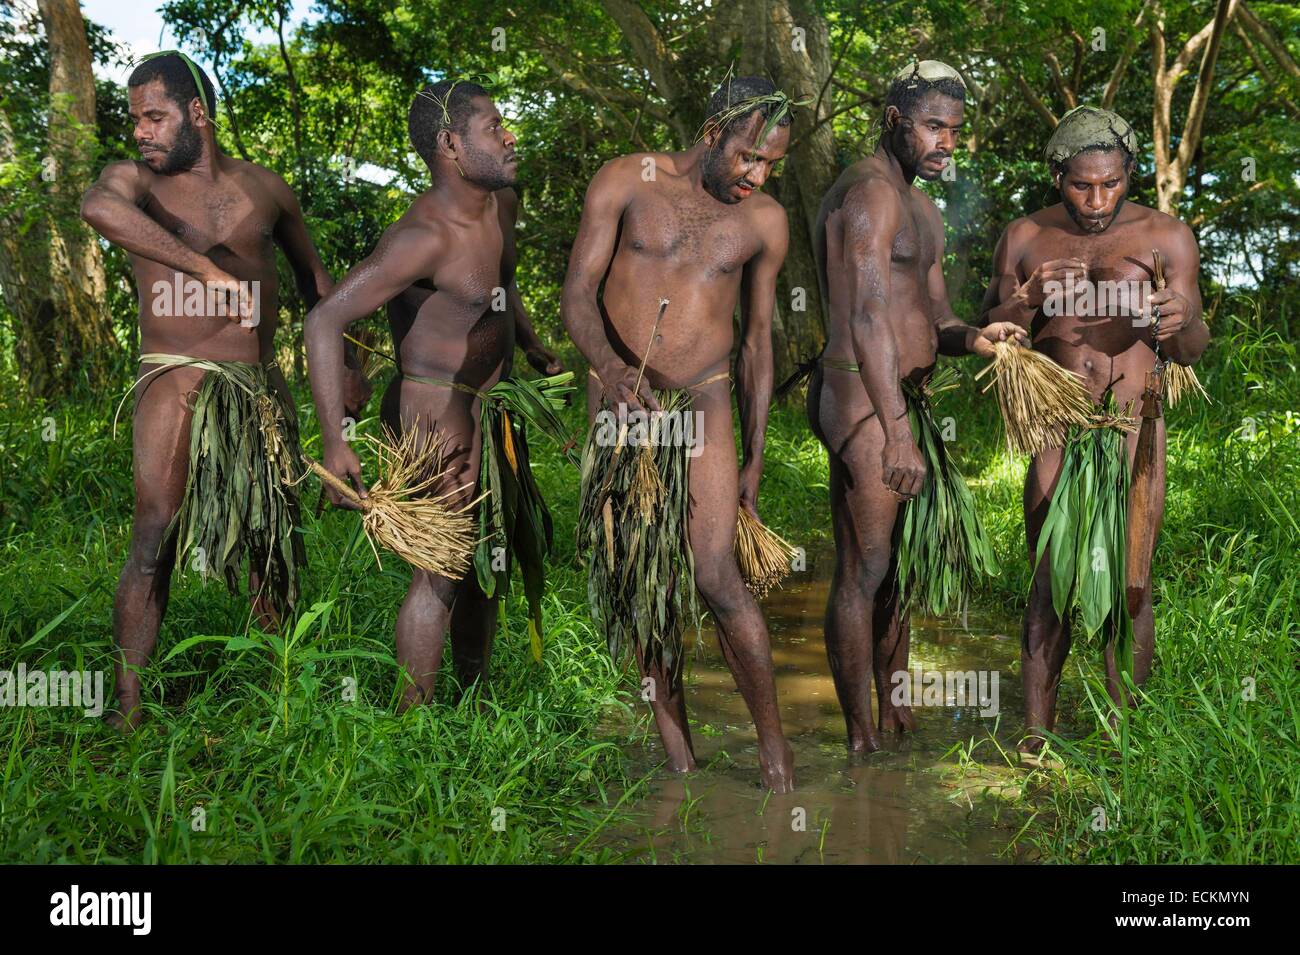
(111, 206)
(526, 338)
(955, 336)
(1182, 332)
(1011, 299)
(403, 255)
(312, 280)
(868, 223)
(593, 250)
(754, 369)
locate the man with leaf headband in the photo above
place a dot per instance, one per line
(1108, 289)
(907, 537)
(678, 239)
(446, 272)
(216, 434)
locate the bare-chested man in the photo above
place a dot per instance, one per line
(200, 228)
(880, 247)
(691, 227)
(439, 269)
(1090, 238)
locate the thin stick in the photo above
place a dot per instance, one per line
(373, 351)
(663, 307)
(640, 372)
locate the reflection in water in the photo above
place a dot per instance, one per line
(905, 804)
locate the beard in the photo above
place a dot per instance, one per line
(714, 179)
(485, 172)
(185, 151)
(1088, 224)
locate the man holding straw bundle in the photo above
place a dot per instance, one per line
(678, 239)
(216, 436)
(1109, 290)
(445, 270)
(906, 534)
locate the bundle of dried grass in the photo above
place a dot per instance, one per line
(1180, 380)
(423, 529)
(1040, 401)
(763, 555)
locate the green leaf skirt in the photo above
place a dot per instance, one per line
(942, 547)
(514, 520)
(633, 531)
(241, 500)
(1083, 536)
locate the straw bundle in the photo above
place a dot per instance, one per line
(1180, 380)
(423, 529)
(763, 555)
(1040, 401)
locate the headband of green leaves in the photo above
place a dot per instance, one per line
(779, 103)
(485, 80)
(194, 72)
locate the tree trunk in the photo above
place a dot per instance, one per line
(84, 340)
(799, 60)
(1171, 165)
(25, 274)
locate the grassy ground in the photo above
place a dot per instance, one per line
(261, 749)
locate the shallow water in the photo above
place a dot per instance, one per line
(909, 803)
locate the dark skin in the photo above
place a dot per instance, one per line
(702, 236)
(880, 252)
(1092, 235)
(217, 221)
(436, 269)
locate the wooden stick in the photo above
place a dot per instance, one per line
(663, 307)
(319, 470)
(373, 351)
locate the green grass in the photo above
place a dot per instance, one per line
(257, 732)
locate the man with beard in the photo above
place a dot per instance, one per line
(690, 229)
(446, 271)
(216, 434)
(1065, 273)
(879, 245)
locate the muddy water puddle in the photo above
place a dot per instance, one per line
(912, 802)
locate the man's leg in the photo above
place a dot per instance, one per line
(427, 610)
(742, 632)
(863, 511)
(892, 630)
(161, 443)
(473, 626)
(1045, 637)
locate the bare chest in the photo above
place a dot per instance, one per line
(230, 215)
(679, 227)
(914, 243)
(469, 279)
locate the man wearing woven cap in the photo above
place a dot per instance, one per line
(446, 272)
(678, 239)
(1084, 276)
(905, 528)
(215, 437)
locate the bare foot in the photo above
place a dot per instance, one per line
(778, 768)
(865, 741)
(680, 760)
(1031, 745)
(897, 719)
(125, 718)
